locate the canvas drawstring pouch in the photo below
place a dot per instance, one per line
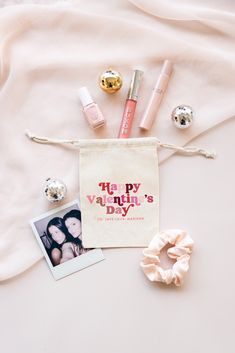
(119, 188)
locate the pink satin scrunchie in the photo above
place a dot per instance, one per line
(180, 251)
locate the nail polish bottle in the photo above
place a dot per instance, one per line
(91, 110)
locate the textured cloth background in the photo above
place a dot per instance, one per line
(47, 51)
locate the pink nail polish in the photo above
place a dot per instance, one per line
(91, 110)
(130, 106)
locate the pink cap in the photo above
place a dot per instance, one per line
(167, 68)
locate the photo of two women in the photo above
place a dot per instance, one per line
(61, 235)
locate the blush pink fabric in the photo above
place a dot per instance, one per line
(182, 246)
(48, 51)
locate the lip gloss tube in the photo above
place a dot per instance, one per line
(156, 97)
(90, 108)
(130, 106)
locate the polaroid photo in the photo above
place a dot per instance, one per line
(59, 234)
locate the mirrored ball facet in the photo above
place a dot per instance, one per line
(110, 81)
(55, 190)
(182, 116)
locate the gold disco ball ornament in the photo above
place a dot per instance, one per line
(110, 81)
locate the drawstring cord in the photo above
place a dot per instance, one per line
(184, 150)
(192, 150)
(46, 140)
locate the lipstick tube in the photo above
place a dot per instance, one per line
(90, 108)
(156, 97)
(130, 106)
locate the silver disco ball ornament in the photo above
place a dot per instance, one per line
(182, 116)
(55, 190)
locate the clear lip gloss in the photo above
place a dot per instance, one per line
(156, 96)
(130, 106)
(90, 108)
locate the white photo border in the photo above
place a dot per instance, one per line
(91, 257)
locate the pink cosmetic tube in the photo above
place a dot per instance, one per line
(90, 108)
(130, 106)
(156, 97)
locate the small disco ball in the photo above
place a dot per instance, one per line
(110, 81)
(182, 116)
(55, 190)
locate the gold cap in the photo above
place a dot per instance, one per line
(135, 85)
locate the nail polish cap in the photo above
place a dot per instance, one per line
(135, 85)
(85, 96)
